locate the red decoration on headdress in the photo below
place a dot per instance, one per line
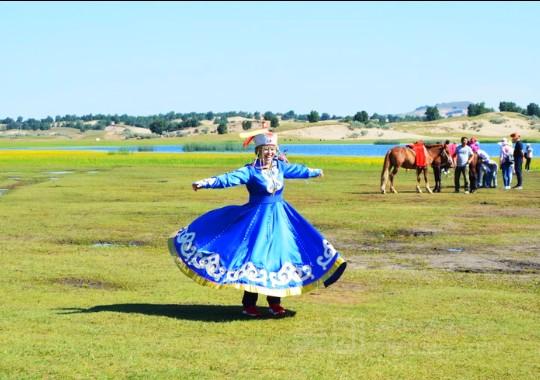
(247, 141)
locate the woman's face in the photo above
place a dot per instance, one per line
(268, 152)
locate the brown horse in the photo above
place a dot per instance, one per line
(440, 164)
(404, 157)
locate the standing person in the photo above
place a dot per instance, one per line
(518, 159)
(528, 156)
(506, 160)
(262, 247)
(483, 169)
(474, 144)
(464, 156)
(491, 180)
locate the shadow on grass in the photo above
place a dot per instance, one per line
(206, 313)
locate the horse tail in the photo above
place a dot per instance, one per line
(385, 172)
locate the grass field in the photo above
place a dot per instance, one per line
(441, 286)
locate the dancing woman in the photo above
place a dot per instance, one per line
(262, 247)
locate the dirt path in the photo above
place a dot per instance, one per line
(456, 259)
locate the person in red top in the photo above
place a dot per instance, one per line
(474, 144)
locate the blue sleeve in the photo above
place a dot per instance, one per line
(299, 171)
(237, 177)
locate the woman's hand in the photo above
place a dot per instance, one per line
(321, 174)
(196, 186)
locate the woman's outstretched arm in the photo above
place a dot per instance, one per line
(300, 171)
(237, 177)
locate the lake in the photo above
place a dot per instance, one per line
(365, 150)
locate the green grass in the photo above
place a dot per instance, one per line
(71, 309)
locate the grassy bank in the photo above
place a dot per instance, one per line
(439, 286)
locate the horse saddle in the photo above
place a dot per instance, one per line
(420, 154)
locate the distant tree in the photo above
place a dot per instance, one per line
(411, 118)
(101, 124)
(246, 124)
(533, 109)
(362, 117)
(256, 115)
(478, 109)
(171, 115)
(432, 113)
(509, 107)
(313, 117)
(274, 122)
(158, 126)
(325, 116)
(32, 124)
(222, 127)
(380, 118)
(13, 125)
(81, 126)
(209, 115)
(268, 115)
(288, 115)
(392, 118)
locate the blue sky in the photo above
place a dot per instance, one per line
(143, 58)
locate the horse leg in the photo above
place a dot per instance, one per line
(418, 190)
(392, 174)
(425, 170)
(437, 176)
(384, 175)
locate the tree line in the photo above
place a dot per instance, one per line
(174, 121)
(475, 109)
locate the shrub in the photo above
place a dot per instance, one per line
(223, 147)
(386, 142)
(372, 124)
(497, 120)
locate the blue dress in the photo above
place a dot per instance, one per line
(264, 246)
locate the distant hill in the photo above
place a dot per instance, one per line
(490, 126)
(449, 109)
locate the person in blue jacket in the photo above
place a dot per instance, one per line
(262, 247)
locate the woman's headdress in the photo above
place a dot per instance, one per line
(261, 136)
